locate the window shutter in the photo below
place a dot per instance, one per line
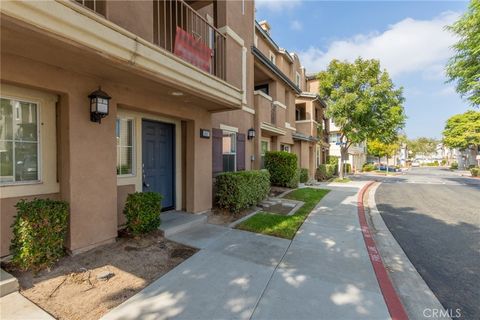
(217, 157)
(240, 151)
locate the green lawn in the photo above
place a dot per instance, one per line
(285, 226)
(340, 180)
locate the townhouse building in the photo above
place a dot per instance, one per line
(357, 152)
(103, 98)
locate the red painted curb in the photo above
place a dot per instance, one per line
(394, 305)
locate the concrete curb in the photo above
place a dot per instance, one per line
(392, 300)
(412, 289)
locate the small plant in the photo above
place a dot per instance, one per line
(443, 162)
(454, 166)
(236, 191)
(475, 172)
(39, 232)
(283, 168)
(367, 167)
(325, 172)
(142, 210)
(303, 174)
(340, 180)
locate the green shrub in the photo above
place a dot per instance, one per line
(325, 172)
(332, 160)
(39, 232)
(475, 172)
(283, 168)
(436, 163)
(303, 174)
(236, 191)
(367, 167)
(443, 162)
(454, 166)
(142, 210)
(471, 166)
(347, 167)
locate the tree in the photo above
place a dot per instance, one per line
(422, 145)
(464, 67)
(379, 149)
(362, 101)
(463, 131)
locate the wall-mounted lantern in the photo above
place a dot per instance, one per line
(250, 134)
(99, 104)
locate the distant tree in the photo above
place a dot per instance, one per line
(463, 131)
(464, 67)
(362, 101)
(379, 149)
(422, 145)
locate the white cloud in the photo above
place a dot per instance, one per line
(407, 46)
(296, 25)
(447, 91)
(277, 5)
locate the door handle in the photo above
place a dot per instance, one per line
(145, 184)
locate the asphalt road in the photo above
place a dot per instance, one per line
(434, 215)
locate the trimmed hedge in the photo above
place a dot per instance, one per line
(454, 165)
(367, 167)
(39, 232)
(347, 167)
(303, 175)
(283, 168)
(142, 210)
(236, 191)
(325, 172)
(475, 172)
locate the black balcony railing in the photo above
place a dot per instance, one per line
(181, 30)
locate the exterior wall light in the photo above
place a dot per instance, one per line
(99, 104)
(251, 133)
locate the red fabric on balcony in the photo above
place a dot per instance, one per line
(192, 50)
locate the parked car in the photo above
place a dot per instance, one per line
(415, 163)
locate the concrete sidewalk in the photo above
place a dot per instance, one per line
(324, 273)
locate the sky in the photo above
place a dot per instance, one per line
(408, 37)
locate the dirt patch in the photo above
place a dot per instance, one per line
(88, 285)
(279, 209)
(224, 218)
(276, 191)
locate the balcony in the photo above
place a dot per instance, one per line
(166, 42)
(271, 117)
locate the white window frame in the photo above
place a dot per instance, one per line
(39, 149)
(234, 135)
(297, 79)
(134, 151)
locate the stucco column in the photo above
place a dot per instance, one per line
(304, 154)
(88, 171)
(198, 166)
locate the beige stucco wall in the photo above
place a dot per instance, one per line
(87, 152)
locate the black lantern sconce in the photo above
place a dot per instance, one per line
(250, 134)
(99, 104)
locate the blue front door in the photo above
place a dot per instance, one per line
(158, 154)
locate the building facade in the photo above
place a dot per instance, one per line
(189, 82)
(357, 152)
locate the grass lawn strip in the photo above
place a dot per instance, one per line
(285, 226)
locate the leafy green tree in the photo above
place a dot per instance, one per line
(463, 131)
(422, 145)
(362, 101)
(379, 149)
(464, 66)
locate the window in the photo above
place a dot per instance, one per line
(285, 147)
(264, 148)
(318, 156)
(229, 150)
(125, 151)
(263, 88)
(335, 137)
(19, 137)
(297, 79)
(272, 57)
